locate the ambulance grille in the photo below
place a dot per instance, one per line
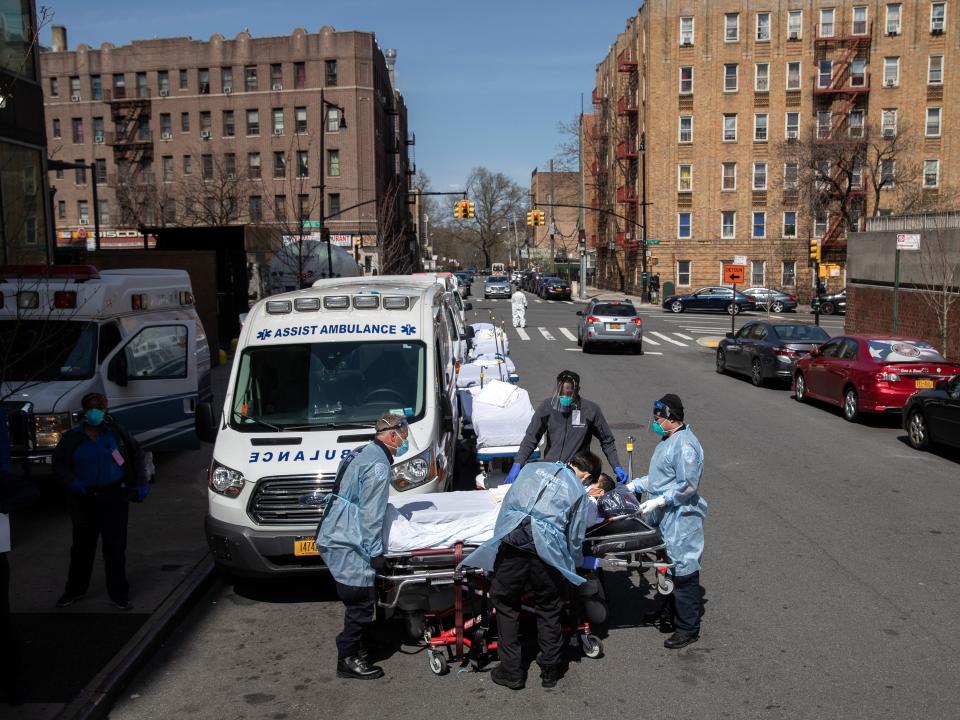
(276, 500)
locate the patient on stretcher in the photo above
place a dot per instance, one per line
(611, 499)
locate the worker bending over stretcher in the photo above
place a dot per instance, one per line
(537, 543)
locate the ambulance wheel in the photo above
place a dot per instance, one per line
(592, 647)
(438, 664)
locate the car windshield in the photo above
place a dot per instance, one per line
(801, 333)
(614, 310)
(497, 279)
(903, 351)
(328, 385)
(44, 350)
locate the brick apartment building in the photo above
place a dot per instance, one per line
(556, 188)
(737, 105)
(228, 132)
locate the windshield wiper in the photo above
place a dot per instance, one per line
(331, 426)
(264, 423)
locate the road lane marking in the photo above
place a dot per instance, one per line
(572, 349)
(568, 302)
(668, 339)
(651, 352)
(538, 302)
(652, 342)
(546, 333)
(522, 333)
(568, 335)
(683, 337)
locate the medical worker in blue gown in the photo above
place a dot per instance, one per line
(537, 545)
(350, 538)
(673, 488)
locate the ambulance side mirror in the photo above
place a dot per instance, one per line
(469, 332)
(205, 423)
(117, 369)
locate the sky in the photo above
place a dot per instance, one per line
(485, 83)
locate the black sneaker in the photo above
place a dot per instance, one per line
(549, 676)
(356, 668)
(679, 639)
(500, 677)
(124, 605)
(68, 599)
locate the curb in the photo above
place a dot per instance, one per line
(96, 699)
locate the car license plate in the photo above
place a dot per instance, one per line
(305, 547)
(614, 326)
(925, 384)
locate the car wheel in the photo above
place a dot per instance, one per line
(676, 306)
(579, 339)
(828, 308)
(800, 388)
(721, 361)
(851, 412)
(777, 307)
(756, 373)
(586, 347)
(733, 309)
(917, 431)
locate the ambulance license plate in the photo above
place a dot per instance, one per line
(302, 548)
(925, 384)
(614, 326)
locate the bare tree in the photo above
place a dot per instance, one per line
(395, 231)
(940, 283)
(496, 199)
(213, 193)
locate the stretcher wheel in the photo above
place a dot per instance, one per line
(664, 585)
(438, 664)
(592, 646)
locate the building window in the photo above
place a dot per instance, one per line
(276, 116)
(790, 224)
(935, 70)
(731, 25)
(279, 164)
(888, 122)
(756, 273)
(891, 71)
(788, 273)
(187, 165)
(728, 176)
(888, 173)
(855, 123)
(303, 207)
(206, 122)
(96, 87)
(229, 126)
(333, 120)
(761, 77)
(203, 81)
(683, 272)
(83, 213)
(893, 18)
(686, 128)
(230, 165)
(163, 82)
(824, 124)
(858, 73)
(938, 17)
(300, 119)
(686, 80)
(730, 127)
(333, 204)
(684, 221)
(100, 171)
(299, 75)
(728, 224)
(825, 75)
(256, 208)
(250, 82)
(685, 178)
(61, 209)
(166, 126)
(330, 73)
(760, 121)
(827, 22)
(791, 175)
(166, 168)
(206, 167)
(759, 176)
(253, 165)
(931, 173)
(253, 122)
(686, 31)
(860, 20)
(763, 27)
(794, 24)
(820, 224)
(759, 224)
(56, 128)
(793, 125)
(54, 87)
(856, 173)
(276, 76)
(280, 207)
(933, 122)
(823, 175)
(119, 86)
(74, 86)
(226, 80)
(730, 77)
(333, 163)
(76, 126)
(184, 122)
(302, 164)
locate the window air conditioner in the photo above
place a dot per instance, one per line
(791, 135)
(166, 136)
(889, 132)
(83, 220)
(98, 139)
(205, 134)
(278, 86)
(937, 31)
(164, 93)
(227, 89)
(74, 98)
(890, 83)
(278, 131)
(892, 33)
(794, 36)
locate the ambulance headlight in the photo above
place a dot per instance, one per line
(414, 472)
(48, 429)
(225, 481)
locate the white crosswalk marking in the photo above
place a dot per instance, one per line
(683, 337)
(651, 352)
(647, 340)
(568, 335)
(668, 339)
(546, 333)
(539, 302)
(522, 333)
(568, 302)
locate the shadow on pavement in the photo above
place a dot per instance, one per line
(940, 451)
(308, 588)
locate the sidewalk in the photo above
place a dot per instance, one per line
(593, 292)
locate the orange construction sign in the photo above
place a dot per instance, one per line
(736, 274)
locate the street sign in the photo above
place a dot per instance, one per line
(908, 241)
(736, 273)
(740, 260)
(653, 242)
(312, 223)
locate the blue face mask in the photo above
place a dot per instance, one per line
(402, 448)
(94, 416)
(658, 428)
(565, 401)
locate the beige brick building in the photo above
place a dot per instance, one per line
(229, 132)
(735, 103)
(556, 188)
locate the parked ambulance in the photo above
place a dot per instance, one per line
(314, 370)
(133, 335)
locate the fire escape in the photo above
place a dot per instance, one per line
(598, 138)
(843, 92)
(131, 139)
(628, 109)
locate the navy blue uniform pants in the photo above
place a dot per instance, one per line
(687, 603)
(359, 608)
(101, 515)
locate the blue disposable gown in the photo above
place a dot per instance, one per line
(675, 471)
(352, 530)
(553, 497)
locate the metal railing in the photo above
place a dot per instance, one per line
(917, 221)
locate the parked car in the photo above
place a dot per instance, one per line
(555, 289)
(465, 280)
(869, 373)
(767, 350)
(610, 321)
(497, 286)
(543, 280)
(778, 301)
(833, 304)
(710, 298)
(532, 280)
(933, 416)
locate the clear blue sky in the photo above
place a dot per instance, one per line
(486, 83)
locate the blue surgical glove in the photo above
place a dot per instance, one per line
(621, 474)
(142, 492)
(77, 487)
(512, 475)
(590, 563)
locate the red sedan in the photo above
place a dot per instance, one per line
(869, 373)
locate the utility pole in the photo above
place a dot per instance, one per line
(324, 104)
(645, 271)
(582, 221)
(551, 228)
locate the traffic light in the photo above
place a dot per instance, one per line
(458, 209)
(469, 209)
(530, 218)
(540, 218)
(815, 250)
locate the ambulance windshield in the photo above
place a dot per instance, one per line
(45, 350)
(317, 386)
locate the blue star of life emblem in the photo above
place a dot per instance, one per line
(408, 329)
(263, 335)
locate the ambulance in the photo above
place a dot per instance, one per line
(314, 370)
(133, 335)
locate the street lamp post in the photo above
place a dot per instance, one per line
(324, 104)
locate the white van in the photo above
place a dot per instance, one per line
(133, 335)
(314, 370)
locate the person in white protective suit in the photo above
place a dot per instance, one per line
(519, 302)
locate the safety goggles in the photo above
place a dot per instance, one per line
(661, 410)
(401, 424)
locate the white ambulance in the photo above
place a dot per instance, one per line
(133, 335)
(314, 370)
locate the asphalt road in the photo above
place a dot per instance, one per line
(830, 573)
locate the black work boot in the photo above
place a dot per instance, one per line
(680, 639)
(500, 677)
(357, 668)
(550, 675)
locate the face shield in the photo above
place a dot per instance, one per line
(566, 393)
